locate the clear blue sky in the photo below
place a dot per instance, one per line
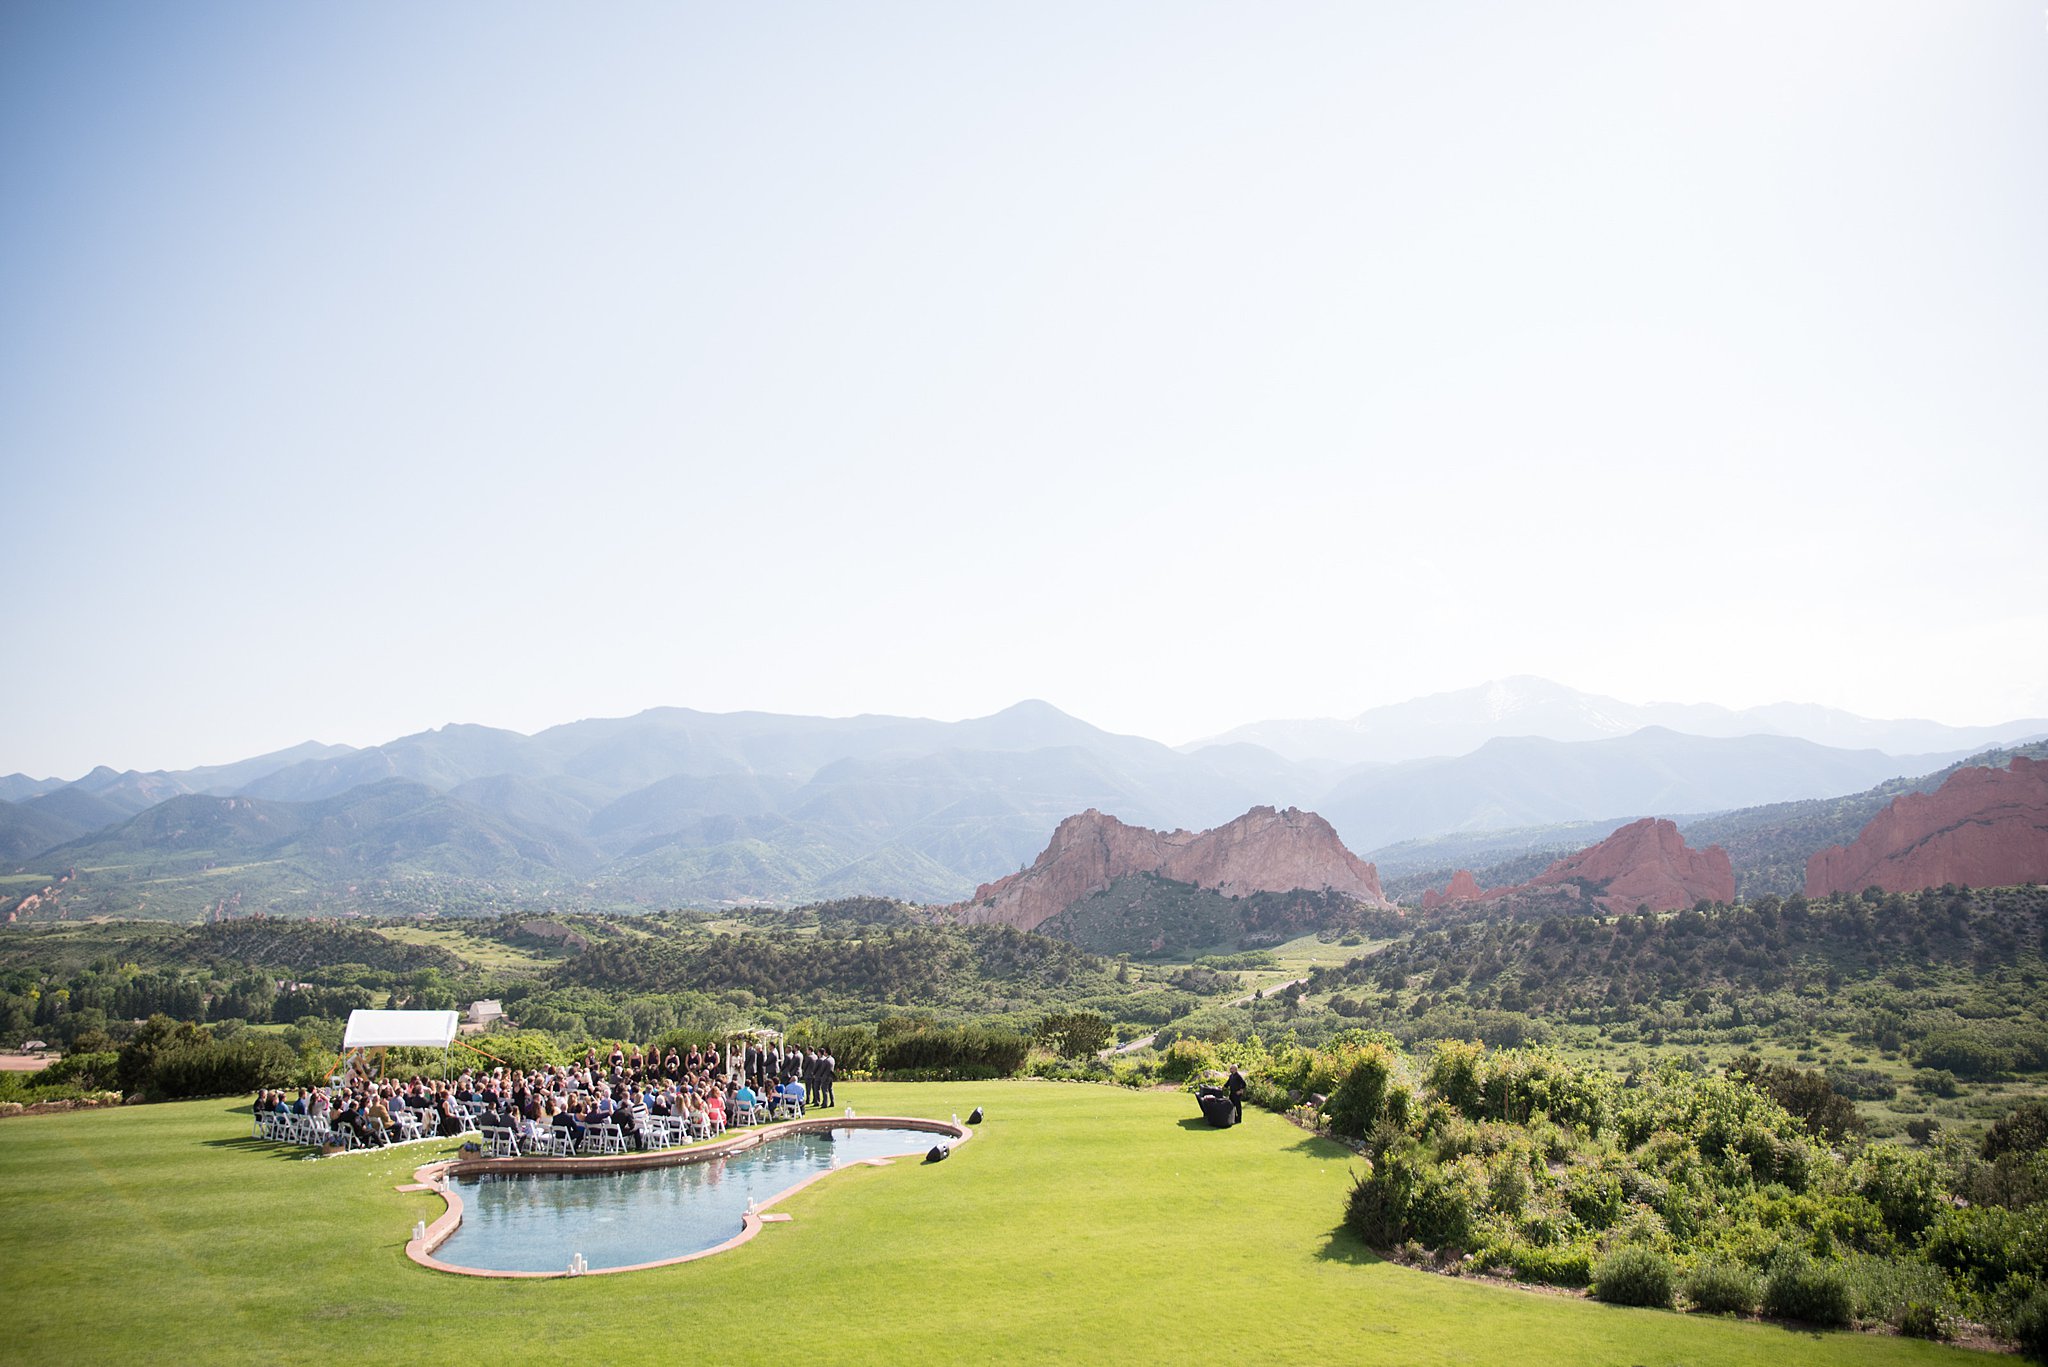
(368, 367)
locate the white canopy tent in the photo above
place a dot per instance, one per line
(394, 1029)
(370, 1033)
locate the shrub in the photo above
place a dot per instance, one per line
(1185, 1058)
(1267, 1096)
(1454, 1073)
(1721, 1288)
(1920, 1320)
(1377, 1208)
(2030, 1326)
(97, 1072)
(210, 1068)
(1360, 1098)
(1404, 1195)
(1963, 1054)
(1633, 1275)
(1440, 1210)
(527, 1050)
(1799, 1288)
(1563, 1265)
(1131, 1072)
(961, 1051)
(1903, 1185)
(1988, 1245)
(1907, 1293)
(1936, 1082)
(2023, 1130)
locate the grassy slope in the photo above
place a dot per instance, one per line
(1083, 1223)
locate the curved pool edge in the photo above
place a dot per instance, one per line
(433, 1177)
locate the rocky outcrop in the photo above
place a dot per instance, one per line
(1644, 864)
(1983, 827)
(1262, 851)
(1463, 887)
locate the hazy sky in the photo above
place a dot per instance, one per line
(369, 367)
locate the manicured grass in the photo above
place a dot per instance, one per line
(1082, 1224)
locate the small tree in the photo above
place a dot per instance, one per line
(1073, 1034)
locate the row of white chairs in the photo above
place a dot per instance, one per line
(611, 1137)
(313, 1131)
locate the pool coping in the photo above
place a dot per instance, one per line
(433, 1177)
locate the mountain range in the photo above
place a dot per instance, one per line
(1459, 722)
(675, 806)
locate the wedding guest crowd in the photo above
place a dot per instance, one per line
(625, 1087)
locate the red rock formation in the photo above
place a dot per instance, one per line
(1463, 887)
(1261, 851)
(1983, 827)
(1644, 864)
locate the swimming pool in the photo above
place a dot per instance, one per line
(536, 1222)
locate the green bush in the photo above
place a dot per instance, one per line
(1454, 1074)
(964, 1051)
(98, 1072)
(1902, 1185)
(1633, 1275)
(2022, 1130)
(209, 1068)
(1799, 1288)
(1361, 1097)
(1920, 1320)
(526, 1050)
(1561, 1265)
(1377, 1208)
(1717, 1288)
(2030, 1326)
(1266, 1096)
(1132, 1072)
(1186, 1058)
(1987, 1245)
(1936, 1082)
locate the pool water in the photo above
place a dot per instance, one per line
(535, 1222)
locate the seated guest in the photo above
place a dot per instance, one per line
(380, 1112)
(350, 1118)
(567, 1119)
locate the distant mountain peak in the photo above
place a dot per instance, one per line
(1447, 725)
(1031, 707)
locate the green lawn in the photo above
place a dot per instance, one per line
(1084, 1223)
